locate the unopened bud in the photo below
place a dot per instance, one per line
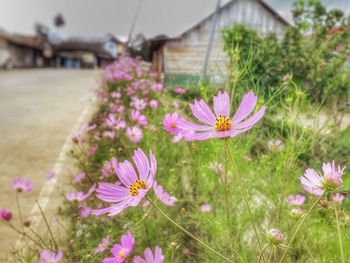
(324, 203)
(275, 237)
(287, 78)
(296, 213)
(174, 245)
(26, 223)
(5, 214)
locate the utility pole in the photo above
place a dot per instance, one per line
(134, 21)
(211, 39)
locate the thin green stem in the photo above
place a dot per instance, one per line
(40, 238)
(19, 210)
(47, 225)
(299, 227)
(145, 228)
(24, 234)
(339, 233)
(243, 192)
(226, 189)
(261, 256)
(187, 232)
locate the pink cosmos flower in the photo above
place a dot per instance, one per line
(179, 90)
(116, 95)
(115, 108)
(275, 237)
(93, 149)
(76, 138)
(88, 128)
(113, 123)
(138, 104)
(103, 245)
(121, 251)
(317, 184)
(109, 134)
(296, 212)
(5, 214)
(162, 195)
(153, 104)
(157, 86)
(149, 257)
(134, 186)
(109, 168)
(22, 185)
(171, 123)
(50, 175)
(80, 196)
(220, 125)
(138, 117)
(295, 200)
(84, 211)
(338, 198)
(176, 105)
(134, 134)
(205, 208)
(47, 256)
(79, 177)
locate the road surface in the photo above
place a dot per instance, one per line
(38, 109)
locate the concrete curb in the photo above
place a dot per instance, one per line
(49, 186)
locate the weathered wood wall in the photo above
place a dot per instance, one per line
(186, 55)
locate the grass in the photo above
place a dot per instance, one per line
(268, 177)
(183, 170)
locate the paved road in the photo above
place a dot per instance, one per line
(38, 109)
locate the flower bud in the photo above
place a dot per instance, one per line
(5, 214)
(338, 199)
(287, 78)
(275, 237)
(324, 203)
(296, 213)
(174, 245)
(27, 223)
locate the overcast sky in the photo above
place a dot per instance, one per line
(98, 17)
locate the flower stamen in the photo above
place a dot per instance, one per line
(135, 187)
(122, 253)
(223, 123)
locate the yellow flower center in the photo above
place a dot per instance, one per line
(173, 125)
(135, 187)
(50, 261)
(122, 253)
(223, 123)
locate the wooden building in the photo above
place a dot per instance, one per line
(26, 51)
(180, 60)
(87, 52)
(76, 52)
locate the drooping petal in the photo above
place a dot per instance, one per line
(111, 192)
(139, 259)
(202, 112)
(252, 120)
(153, 165)
(186, 125)
(158, 258)
(148, 255)
(127, 241)
(222, 104)
(246, 107)
(201, 136)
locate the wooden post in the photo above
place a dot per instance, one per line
(211, 38)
